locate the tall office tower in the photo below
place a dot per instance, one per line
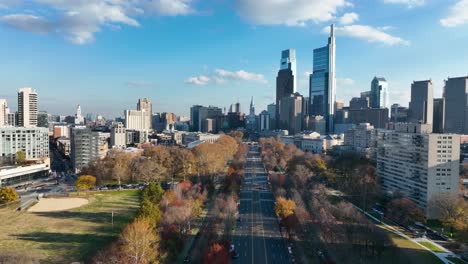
(399, 114)
(271, 108)
(438, 120)
(379, 93)
(194, 117)
(305, 106)
(27, 107)
(421, 106)
(3, 113)
(84, 147)
(135, 119)
(456, 105)
(286, 79)
(118, 136)
(416, 163)
(291, 117)
(235, 108)
(264, 119)
(322, 87)
(34, 142)
(211, 112)
(145, 104)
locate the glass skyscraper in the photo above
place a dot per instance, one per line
(286, 80)
(322, 83)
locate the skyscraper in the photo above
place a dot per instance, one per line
(323, 84)
(456, 105)
(421, 106)
(291, 117)
(79, 119)
(379, 93)
(145, 104)
(438, 118)
(27, 107)
(286, 79)
(194, 117)
(3, 113)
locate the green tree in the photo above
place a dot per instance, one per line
(20, 157)
(8, 194)
(85, 182)
(153, 192)
(150, 212)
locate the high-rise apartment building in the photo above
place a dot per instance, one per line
(438, 120)
(264, 121)
(360, 138)
(84, 147)
(34, 142)
(323, 84)
(286, 79)
(145, 104)
(456, 105)
(413, 162)
(421, 106)
(211, 112)
(379, 93)
(27, 107)
(118, 136)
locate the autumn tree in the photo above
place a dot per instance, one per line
(452, 210)
(404, 211)
(85, 182)
(184, 162)
(284, 207)
(217, 253)
(20, 157)
(8, 194)
(139, 242)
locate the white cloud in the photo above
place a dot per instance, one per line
(221, 76)
(458, 15)
(409, 3)
(79, 21)
(348, 18)
(288, 12)
(344, 81)
(241, 75)
(198, 80)
(369, 34)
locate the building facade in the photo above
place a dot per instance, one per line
(379, 93)
(118, 137)
(322, 87)
(438, 118)
(144, 104)
(360, 139)
(413, 162)
(34, 142)
(456, 105)
(84, 147)
(286, 79)
(421, 106)
(135, 119)
(27, 107)
(291, 117)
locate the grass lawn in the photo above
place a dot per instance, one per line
(432, 247)
(67, 236)
(407, 251)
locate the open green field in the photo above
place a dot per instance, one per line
(407, 251)
(67, 236)
(432, 247)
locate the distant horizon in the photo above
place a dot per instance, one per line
(213, 53)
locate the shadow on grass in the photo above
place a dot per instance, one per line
(69, 247)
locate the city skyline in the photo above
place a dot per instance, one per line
(124, 62)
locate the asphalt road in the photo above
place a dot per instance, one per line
(257, 237)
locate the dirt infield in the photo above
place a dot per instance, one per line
(57, 204)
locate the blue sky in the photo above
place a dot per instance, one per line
(105, 54)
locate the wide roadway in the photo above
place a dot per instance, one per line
(257, 237)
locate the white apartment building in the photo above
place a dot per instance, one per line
(136, 120)
(3, 113)
(359, 139)
(33, 141)
(27, 107)
(118, 136)
(416, 163)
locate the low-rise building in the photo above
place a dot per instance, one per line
(194, 136)
(14, 175)
(313, 142)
